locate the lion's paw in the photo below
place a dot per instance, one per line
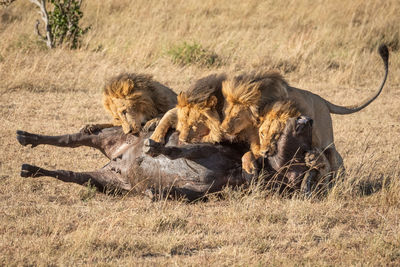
(316, 159)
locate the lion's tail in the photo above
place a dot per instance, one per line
(342, 110)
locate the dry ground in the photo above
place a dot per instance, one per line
(328, 47)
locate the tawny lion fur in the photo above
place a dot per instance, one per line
(244, 95)
(273, 121)
(244, 102)
(136, 99)
(197, 114)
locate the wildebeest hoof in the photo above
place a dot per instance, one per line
(307, 183)
(250, 177)
(150, 193)
(28, 170)
(25, 138)
(152, 147)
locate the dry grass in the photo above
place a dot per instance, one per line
(328, 47)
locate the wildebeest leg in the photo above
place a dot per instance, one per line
(108, 141)
(101, 179)
(308, 182)
(296, 174)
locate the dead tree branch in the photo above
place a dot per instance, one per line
(38, 31)
(45, 17)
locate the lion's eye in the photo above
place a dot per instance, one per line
(124, 112)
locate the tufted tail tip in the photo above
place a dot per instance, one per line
(384, 52)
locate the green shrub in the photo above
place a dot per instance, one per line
(194, 53)
(64, 20)
(61, 22)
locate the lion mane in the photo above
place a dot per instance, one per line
(254, 90)
(200, 109)
(140, 88)
(197, 113)
(273, 122)
(245, 95)
(134, 100)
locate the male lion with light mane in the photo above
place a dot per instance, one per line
(282, 153)
(197, 115)
(239, 114)
(244, 94)
(273, 122)
(134, 100)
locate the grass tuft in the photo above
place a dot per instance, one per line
(192, 53)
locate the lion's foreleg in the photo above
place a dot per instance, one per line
(168, 121)
(249, 167)
(254, 142)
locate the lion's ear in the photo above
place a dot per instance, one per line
(182, 99)
(212, 101)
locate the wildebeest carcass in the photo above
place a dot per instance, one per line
(189, 170)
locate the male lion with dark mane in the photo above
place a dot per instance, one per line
(134, 101)
(197, 115)
(240, 115)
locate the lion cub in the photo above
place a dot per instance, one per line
(134, 100)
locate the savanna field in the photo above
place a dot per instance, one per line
(327, 47)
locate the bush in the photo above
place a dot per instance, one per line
(62, 22)
(186, 54)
